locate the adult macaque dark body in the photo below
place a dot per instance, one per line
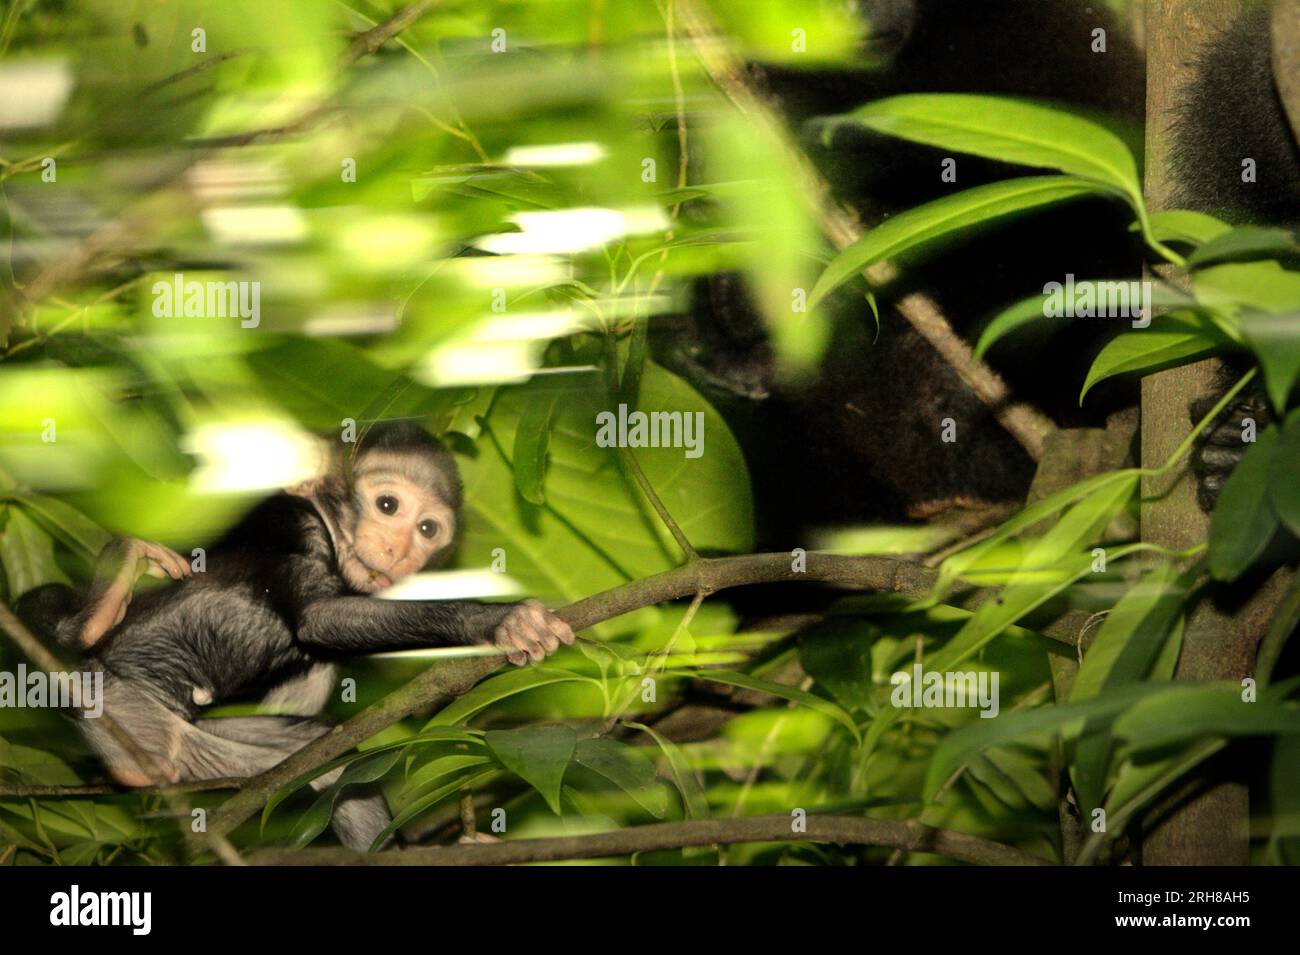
(288, 591)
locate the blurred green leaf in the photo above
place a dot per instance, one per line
(793, 694)
(1244, 242)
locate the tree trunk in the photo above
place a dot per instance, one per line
(1205, 821)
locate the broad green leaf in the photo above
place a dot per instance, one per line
(627, 768)
(536, 754)
(1189, 712)
(1034, 309)
(312, 822)
(27, 553)
(419, 806)
(429, 734)
(1285, 620)
(694, 802)
(322, 381)
(431, 775)
(1244, 242)
(1243, 522)
(1284, 793)
(1284, 481)
(979, 207)
(1131, 636)
(959, 563)
(1265, 286)
(1187, 226)
(837, 654)
(598, 520)
(64, 522)
(1019, 131)
(793, 694)
(1174, 339)
(980, 735)
(1123, 652)
(1275, 340)
(532, 437)
(498, 688)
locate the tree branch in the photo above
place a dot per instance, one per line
(841, 830)
(371, 40)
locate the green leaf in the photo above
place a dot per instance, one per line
(1244, 242)
(429, 734)
(1284, 791)
(598, 520)
(64, 522)
(1034, 309)
(1174, 339)
(313, 822)
(462, 781)
(837, 654)
(538, 755)
(978, 207)
(532, 437)
(498, 688)
(1275, 340)
(1186, 226)
(1265, 286)
(1190, 712)
(433, 774)
(959, 563)
(793, 694)
(1243, 522)
(1283, 488)
(1124, 651)
(982, 734)
(1008, 130)
(1050, 565)
(27, 553)
(627, 768)
(694, 802)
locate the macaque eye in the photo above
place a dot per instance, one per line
(429, 529)
(386, 503)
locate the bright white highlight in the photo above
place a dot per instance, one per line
(556, 154)
(567, 231)
(252, 455)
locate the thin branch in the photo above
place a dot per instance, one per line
(371, 40)
(1026, 424)
(841, 830)
(439, 685)
(104, 789)
(638, 475)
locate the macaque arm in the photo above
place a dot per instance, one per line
(524, 631)
(120, 563)
(358, 624)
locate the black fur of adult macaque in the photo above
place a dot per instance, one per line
(1234, 112)
(867, 425)
(1223, 442)
(866, 430)
(286, 593)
